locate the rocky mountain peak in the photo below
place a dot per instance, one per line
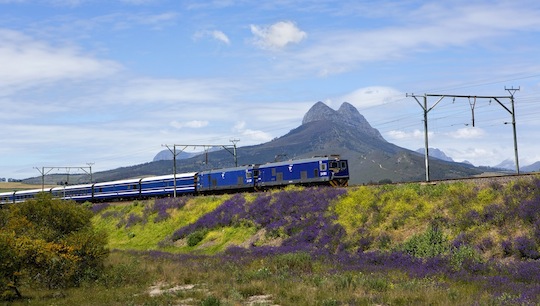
(319, 111)
(346, 114)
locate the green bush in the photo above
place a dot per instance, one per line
(428, 244)
(464, 254)
(50, 242)
(194, 238)
(293, 262)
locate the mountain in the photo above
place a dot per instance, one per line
(323, 131)
(436, 153)
(168, 155)
(507, 164)
(531, 168)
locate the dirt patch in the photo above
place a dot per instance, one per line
(160, 289)
(260, 239)
(260, 300)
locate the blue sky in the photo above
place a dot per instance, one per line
(109, 82)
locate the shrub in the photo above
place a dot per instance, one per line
(51, 240)
(463, 257)
(300, 262)
(211, 301)
(194, 238)
(98, 207)
(507, 248)
(526, 248)
(428, 244)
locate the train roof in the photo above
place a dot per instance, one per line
(128, 181)
(302, 160)
(169, 176)
(69, 187)
(239, 168)
(30, 191)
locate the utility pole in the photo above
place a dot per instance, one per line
(512, 91)
(234, 141)
(90, 166)
(498, 99)
(172, 149)
(46, 170)
(426, 110)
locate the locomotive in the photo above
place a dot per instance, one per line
(323, 170)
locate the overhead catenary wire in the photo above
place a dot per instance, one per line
(427, 108)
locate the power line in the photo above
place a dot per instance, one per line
(426, 109)
(205, 148)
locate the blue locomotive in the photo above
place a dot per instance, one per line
(309, 171)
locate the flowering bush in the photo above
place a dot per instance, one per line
(526, 248)
(98, 207)
(162, 205)
(299, 217)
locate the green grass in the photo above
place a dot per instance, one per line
(282, 280)
(146, 235)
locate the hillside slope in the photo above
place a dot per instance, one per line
(496, 220)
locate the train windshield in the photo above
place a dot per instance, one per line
(341, 165)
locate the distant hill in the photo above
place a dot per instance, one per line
(506, 164)
(531, 168)
(168, 155)
(436, 153)
(323, 131)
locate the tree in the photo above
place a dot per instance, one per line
(50, 242)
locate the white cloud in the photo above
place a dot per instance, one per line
(240, 125)
(467, 133)
(221, 37)
(402, 135)
(335, 52)
(194, 124)
(215, 34)
(278, 35)
(259, 136)
(372, 96)
(478, 156)
(171, 91)
(251, 135)
(27, 62)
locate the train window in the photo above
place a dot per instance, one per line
(322, 166)
(248, 175)
(256, 173)
(333, 164)
(316, 172)
(273, 171)
(343, 164)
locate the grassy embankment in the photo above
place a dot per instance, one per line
(446, 244)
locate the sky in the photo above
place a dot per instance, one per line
(107, 83)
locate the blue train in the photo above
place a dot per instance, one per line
(309, 171)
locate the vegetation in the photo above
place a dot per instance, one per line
(48, 242)
(460, 243)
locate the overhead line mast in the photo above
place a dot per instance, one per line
(426, 109)
(46, 170)
(205, 147)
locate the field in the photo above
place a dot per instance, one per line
(444, 244)
(14, 186)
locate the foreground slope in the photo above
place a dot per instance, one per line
(479, 241)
